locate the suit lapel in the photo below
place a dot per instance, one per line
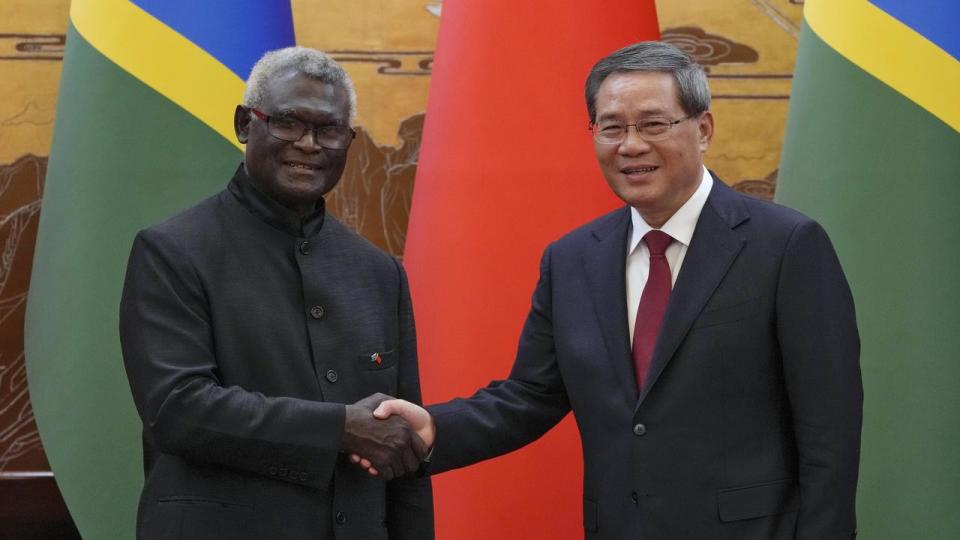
(605, 264)
(713, 248)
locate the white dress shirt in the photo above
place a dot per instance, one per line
(680, 227)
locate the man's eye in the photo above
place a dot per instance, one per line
(331, 130)
(284, 122)
(653, 124)
(611, 128)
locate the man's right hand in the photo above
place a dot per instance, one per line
(415, 415)
(390, 445)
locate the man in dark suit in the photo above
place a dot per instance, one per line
(705, 341)
(251, 325)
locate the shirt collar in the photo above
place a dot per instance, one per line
(681, 224)
(272, 212)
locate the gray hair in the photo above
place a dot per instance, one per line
(653, 56)
(309, 62)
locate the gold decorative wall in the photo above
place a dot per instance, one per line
(748, 48)
(31, 51)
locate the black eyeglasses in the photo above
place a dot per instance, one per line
(292, 129)
(651, 129)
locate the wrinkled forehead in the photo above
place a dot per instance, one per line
(638, 94)
(292, 92)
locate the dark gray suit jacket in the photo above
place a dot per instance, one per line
(244, 331)
(750, 425)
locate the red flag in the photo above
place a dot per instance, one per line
(506, 166)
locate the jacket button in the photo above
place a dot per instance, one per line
(316, 312)
(635, 498)
(639, 430)
(273, 471)
(332, 376)
(341, 518)
(305, 247)
(303, 477)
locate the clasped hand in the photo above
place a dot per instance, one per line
(387, 437)
(390, 446)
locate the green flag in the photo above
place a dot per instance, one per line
(143, 129)
(872, 151)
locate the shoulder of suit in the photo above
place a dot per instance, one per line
(599, 227)
(725, 200)
(202, 216)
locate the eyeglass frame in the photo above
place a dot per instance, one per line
(314, 129)
(660, 137)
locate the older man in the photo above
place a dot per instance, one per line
(250, 325)
(704, 340)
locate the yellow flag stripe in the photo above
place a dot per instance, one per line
(163, 59)
(890, 51)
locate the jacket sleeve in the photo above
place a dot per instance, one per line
(820, 347)
(171, 364)
(508, 414)
(409, 499)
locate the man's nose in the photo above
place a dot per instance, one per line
(308, 141)
(633, 143)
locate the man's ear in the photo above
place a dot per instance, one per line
(705, 127)
(241, 123)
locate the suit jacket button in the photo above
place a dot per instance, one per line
(341, 518)
(316, 312)
(332, 376)
(635, 497)
(303, 477)
(639, 430)
(305, 247)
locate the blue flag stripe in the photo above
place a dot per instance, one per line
(936, 20)
(235, 32)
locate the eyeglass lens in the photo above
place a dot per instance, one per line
(615, 132)
(291, 130)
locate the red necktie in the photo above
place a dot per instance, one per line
(653, 302)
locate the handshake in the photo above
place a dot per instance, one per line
(388, 437)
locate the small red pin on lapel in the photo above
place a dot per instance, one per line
(375, 357)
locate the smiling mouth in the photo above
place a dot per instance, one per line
(638, 170)
(301, 166)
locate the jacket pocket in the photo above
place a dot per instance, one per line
(591, 519)
(376, 360)
(758, 500)
(377, 371)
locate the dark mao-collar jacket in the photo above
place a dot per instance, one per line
(244, 331)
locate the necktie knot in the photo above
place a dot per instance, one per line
(657, 242)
